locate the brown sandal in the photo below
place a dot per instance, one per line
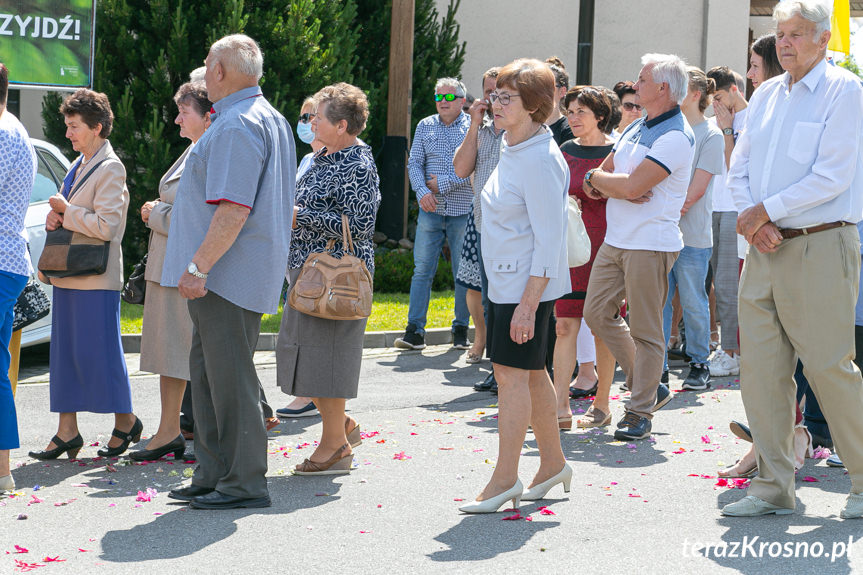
(338, 464)
(730, 473)
(564, 423)
(354, 436)
(594, 417)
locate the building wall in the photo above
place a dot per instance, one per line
(31, 112)
(498, 31)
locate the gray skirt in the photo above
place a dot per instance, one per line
(318, 357)
(166, 333)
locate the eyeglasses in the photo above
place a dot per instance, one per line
(306, 118)
(504, 98)
(630, 106)
(447, 97)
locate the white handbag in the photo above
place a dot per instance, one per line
(577, 240)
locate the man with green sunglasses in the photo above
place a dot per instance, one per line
(445, 201)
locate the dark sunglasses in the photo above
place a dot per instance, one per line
(306, 118)
(630, 106)
(447, 97)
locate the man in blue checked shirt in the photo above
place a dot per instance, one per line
(445, 201)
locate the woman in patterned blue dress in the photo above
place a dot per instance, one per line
(320, 358)
(468, 276)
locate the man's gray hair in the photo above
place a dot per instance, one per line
(740, 81)
(813, 10)
(671, 70)
(197, 75)
(460, 90)
(240, 53)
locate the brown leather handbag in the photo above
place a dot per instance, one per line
(69, 254)
(334, 288)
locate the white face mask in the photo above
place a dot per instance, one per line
(305, 133)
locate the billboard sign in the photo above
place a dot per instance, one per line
(48, 43)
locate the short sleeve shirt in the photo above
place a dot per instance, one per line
(488, 147)
(17, 174)
(246, 157)
(697, 223)
(668, 141)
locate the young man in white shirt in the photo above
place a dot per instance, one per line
(729, 108)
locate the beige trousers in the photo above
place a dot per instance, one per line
(799, 302)
(640, 277)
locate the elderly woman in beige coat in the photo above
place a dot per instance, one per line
(87, 369)
(166, 335)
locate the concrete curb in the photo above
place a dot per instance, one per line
(372, 339)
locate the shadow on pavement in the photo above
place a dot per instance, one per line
(478, 537)
(185, 531)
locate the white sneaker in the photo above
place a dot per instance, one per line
(722, 364)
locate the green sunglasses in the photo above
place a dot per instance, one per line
(447, 97)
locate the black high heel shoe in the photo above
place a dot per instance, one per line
(177, 446)
(71, 447)
(131, 436)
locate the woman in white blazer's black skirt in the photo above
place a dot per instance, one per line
(524, 253)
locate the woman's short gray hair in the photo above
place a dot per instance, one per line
(240, 53)
(812, 10)
(344, 102)
(460, 90)
(669, 69)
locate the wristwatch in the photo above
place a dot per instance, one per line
(728, 131)
(193, 269)
(588, 176)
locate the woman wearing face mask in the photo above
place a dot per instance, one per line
(166, 334)
(304, 406)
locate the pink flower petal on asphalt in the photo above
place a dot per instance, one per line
(810, 479)
(546, 511)
(19, 549)
(515, 517)
(722, 483)
(56, 559)
(705, 439)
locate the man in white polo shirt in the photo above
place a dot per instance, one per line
(645, 179)
(796, 176)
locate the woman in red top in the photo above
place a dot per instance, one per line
(589, 111)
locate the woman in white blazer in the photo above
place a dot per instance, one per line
(524, 253)
(166, 333)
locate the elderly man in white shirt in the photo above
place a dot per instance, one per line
(797, 179)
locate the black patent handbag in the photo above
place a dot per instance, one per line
(136, 286)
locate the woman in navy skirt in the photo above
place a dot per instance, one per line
(87, 370)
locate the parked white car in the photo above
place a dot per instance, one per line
(52, 168)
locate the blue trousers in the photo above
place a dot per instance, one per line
(10, 288)
(432, 230)
(688, 276)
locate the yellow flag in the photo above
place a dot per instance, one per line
(840, 23)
